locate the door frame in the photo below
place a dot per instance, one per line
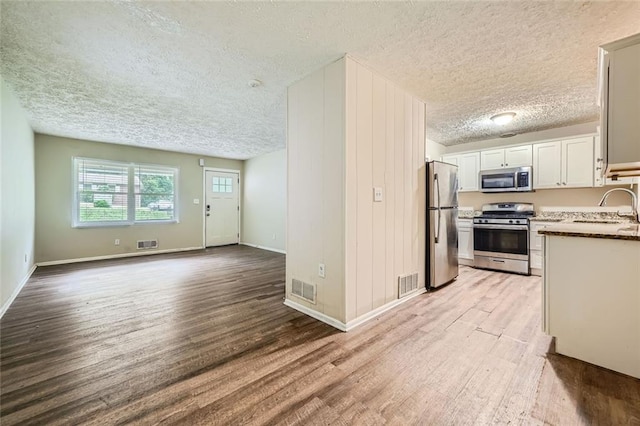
(204, 201)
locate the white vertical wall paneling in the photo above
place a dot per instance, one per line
(408, 184)
(293, 193)
(365, 183)
(415, 196)
(350, 131)
(317, 169)
(379, 222)
(399, 178)
(422, 195)
(391, 292)
(333, 190)
(351, 189)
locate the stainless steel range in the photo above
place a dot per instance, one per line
(501, 237)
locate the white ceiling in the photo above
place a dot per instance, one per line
(175, 76)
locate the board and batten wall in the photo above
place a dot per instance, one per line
(17, 197)
(58, 241)
(350, 130)
(265, 201)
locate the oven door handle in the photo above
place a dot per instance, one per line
(502, 227)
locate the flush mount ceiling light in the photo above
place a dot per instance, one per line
(504, 118)
(255, 83)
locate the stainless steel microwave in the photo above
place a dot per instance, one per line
(517, 179)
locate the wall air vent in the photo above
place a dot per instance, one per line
(147, 244)
(304, 290)
(407, 284)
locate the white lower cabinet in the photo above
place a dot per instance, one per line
(535, 247)
(591, 300)
(465, 241)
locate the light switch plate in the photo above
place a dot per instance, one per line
(377, 194)
(321, 270)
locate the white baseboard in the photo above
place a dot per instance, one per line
(115, 256)
(317, 315)
(382, 309)
(355, 322)
(264, 248)
(17, 291)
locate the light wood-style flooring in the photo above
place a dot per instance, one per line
(204, 338)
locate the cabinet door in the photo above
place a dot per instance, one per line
(518, 156)
(451, 159)
(547, 165)
(535, 239)
(465, 240)
(577, 162)
(624, 105)
(468, 169)
(492, 159)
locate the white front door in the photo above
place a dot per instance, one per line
(221, 208)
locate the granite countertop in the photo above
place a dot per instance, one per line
(616, 231)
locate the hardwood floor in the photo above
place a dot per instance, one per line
(203, 338)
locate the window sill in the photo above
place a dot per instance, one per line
(122, 224)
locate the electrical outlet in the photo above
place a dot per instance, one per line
(117, 241)
(321, 270)
(196, 201)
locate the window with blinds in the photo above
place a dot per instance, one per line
(113, 193)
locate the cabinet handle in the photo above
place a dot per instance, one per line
(506, 164)
(558, 183)
(598, 168)
(564, 183)
(600, 159)
(501, 165)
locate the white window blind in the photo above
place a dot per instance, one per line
(113, 193)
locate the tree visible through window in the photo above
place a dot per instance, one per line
(110, 193)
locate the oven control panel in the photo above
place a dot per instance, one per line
(497, 221)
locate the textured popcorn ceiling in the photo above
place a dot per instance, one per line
(175, 75)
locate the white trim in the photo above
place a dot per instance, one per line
(264, 247)
(355, 322)
(18, 289)
(204, 201)
(115, 256)
(384, 308)
(317, 315)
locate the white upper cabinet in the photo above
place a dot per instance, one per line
(577, 162)
(547, 171)
(563, 164)
(468, 169)
(620, 102)
(515, 156)
(518, 156)
(492, 159)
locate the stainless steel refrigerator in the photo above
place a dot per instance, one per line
(442, 224)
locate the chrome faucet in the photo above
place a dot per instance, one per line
(634, 202)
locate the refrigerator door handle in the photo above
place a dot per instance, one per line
(437, 183)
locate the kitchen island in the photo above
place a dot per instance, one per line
(591, 293)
